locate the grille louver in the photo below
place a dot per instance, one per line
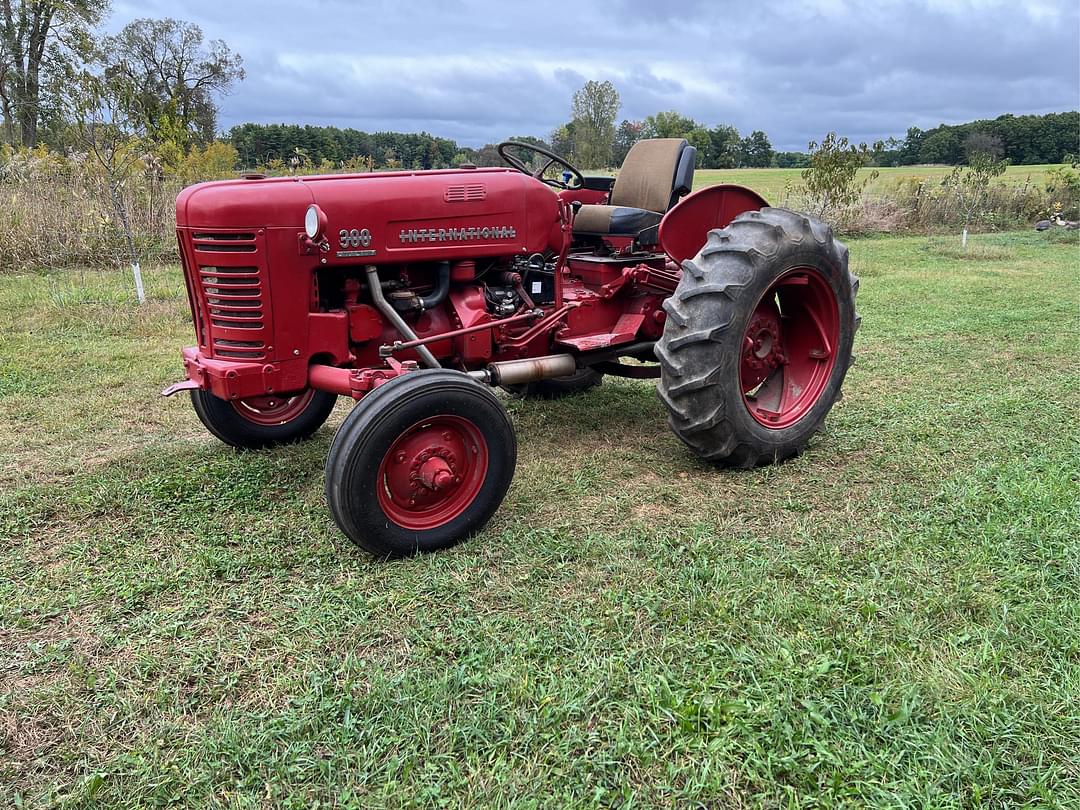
(234, 292)
(465, 193)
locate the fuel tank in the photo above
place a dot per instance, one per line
(389, 217)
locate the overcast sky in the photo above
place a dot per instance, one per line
(480, 71)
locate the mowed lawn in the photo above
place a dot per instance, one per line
(892, 619)
(772, 183)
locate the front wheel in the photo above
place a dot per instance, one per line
(758, 338)
(421, 463)
(265, 421)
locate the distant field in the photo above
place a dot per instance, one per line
(771, 182)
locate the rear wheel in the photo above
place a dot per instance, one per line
(758, 338)
(556, 387)
(264, 421)
(421, 463)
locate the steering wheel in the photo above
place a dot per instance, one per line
(552, 160)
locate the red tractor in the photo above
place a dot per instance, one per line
(416, 293)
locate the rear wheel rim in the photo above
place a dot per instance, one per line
(432, 472)
(789, 348)
(270, 410)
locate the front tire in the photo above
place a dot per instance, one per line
(758, 338)
(421, 463)
(266, 421)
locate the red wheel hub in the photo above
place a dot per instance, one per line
(432, 472)
(789, 348)
(271, 410)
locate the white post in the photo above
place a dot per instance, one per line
(140, 292)
(963, 239)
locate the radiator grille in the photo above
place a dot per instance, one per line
(234, 293)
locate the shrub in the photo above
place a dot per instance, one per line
(831, 178)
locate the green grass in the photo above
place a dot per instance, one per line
(893, 619)
(770, 183)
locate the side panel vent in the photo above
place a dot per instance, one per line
(465, 193)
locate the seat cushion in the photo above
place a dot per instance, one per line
(647, 177)
(614, 220)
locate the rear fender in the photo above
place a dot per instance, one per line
(684, 228)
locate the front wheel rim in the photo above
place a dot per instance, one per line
(269, 411)
(789, 348)
(432, 472)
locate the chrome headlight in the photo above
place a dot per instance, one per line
(314, 222)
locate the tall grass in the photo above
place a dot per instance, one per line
(57, 211)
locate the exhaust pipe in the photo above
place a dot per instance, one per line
(518, 372)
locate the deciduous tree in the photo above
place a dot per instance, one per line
(831, 176)
(594, 109)
(40, 38)
(668, 124)
(755, 150)
(970, 185)
(628, 133)
(173, 78)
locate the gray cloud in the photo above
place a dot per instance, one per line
(481, 71)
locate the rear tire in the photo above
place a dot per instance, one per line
(758, 338)
(557, 387)
(268, 421)
(421, 463)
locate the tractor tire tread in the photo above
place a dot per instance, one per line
(719, 288)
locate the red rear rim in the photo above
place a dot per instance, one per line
(432, 472)
(789, 348)
(271, 410)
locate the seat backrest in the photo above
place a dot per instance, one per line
(655, 174)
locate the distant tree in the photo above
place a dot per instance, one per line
(593, 111)
(628, 133)
(699, 138)
(755, 150)
(668, 124)
(941, 146)
(831, 178)
(172, 78)
(981, 142)
(39, 40)
(911, 147)
(531, 139)
(488, 156)
(888, 154)
(724, 144)
(562, 140)
(791, 160)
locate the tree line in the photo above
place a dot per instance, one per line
(592, 140)
(305, 146)
(1019, 139)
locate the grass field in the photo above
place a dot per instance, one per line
(770, 183)
(893, 619)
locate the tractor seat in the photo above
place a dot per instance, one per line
(655, 174)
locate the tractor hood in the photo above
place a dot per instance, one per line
(395, 216)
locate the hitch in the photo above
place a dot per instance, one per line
(177, 387)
